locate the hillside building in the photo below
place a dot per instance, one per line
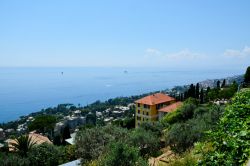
(153, 107)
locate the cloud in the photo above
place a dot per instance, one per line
(180, 55)
(185, 54)
(245, 52)
(152, 51)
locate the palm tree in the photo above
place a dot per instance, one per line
(23, 144)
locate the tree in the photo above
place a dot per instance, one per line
(218, 84)
(202, 96)
(247, 75)
(43, 123)
(23, 144)
(191, 91)
(66, 133)
(57, 140)
(223, 85)
(197, 91)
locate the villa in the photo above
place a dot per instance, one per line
(153, 107)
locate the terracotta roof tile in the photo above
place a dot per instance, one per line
(171, 107)
(155, 99)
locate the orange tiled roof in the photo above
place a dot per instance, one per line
(155, 99)
(171, 107)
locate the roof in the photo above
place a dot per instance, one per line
(157, 98)
(72, 163)
(39, 139)
(171, 107)
(36, 138)
(72, 139)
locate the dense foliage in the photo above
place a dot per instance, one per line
(45, 154)
(91, 142)
(231, 140)
(223, 93)
(247, 75)
(43, 123)
(186, 130)
(23, 145)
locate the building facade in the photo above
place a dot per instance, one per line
(148, 108)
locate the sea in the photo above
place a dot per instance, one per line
(24, 90)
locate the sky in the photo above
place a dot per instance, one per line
(130, 33)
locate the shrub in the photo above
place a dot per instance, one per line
(13, 160)
(45, 154)
(121, 154)
(181, 136)
(181, 114)
(231, 140)
(146, 141)
(91, 143)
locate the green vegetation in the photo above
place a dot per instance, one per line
(45, 154)
(43, 123)
(231, 140)
(197, 133)
(223, 93)
(23, 145)
(188, 124)
(247, 75)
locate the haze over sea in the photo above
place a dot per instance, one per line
(26, 90)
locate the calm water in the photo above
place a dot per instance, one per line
(26, 90)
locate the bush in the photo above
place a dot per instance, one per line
(121, 154)
(181, 136)
(45, 154)
(231, 140)
(146, 141)
(156, 128)
(13, 160)
(91, 142)
(181, 114)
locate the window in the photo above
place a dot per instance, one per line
(138, 118)
(147, 114)
(143, 112)
(158, 106)
(139, 111)
(138, 104)
(146, 106)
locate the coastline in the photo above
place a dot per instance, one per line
(171, 91)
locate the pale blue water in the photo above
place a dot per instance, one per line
(26, 90)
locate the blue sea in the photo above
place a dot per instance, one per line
(26, 90)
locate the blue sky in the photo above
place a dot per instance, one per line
(130, 33)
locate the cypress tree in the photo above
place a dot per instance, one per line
(218, 84)
(66, 133)
(223, 85)
(247, 75)
(197, 91)
(202, 96)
